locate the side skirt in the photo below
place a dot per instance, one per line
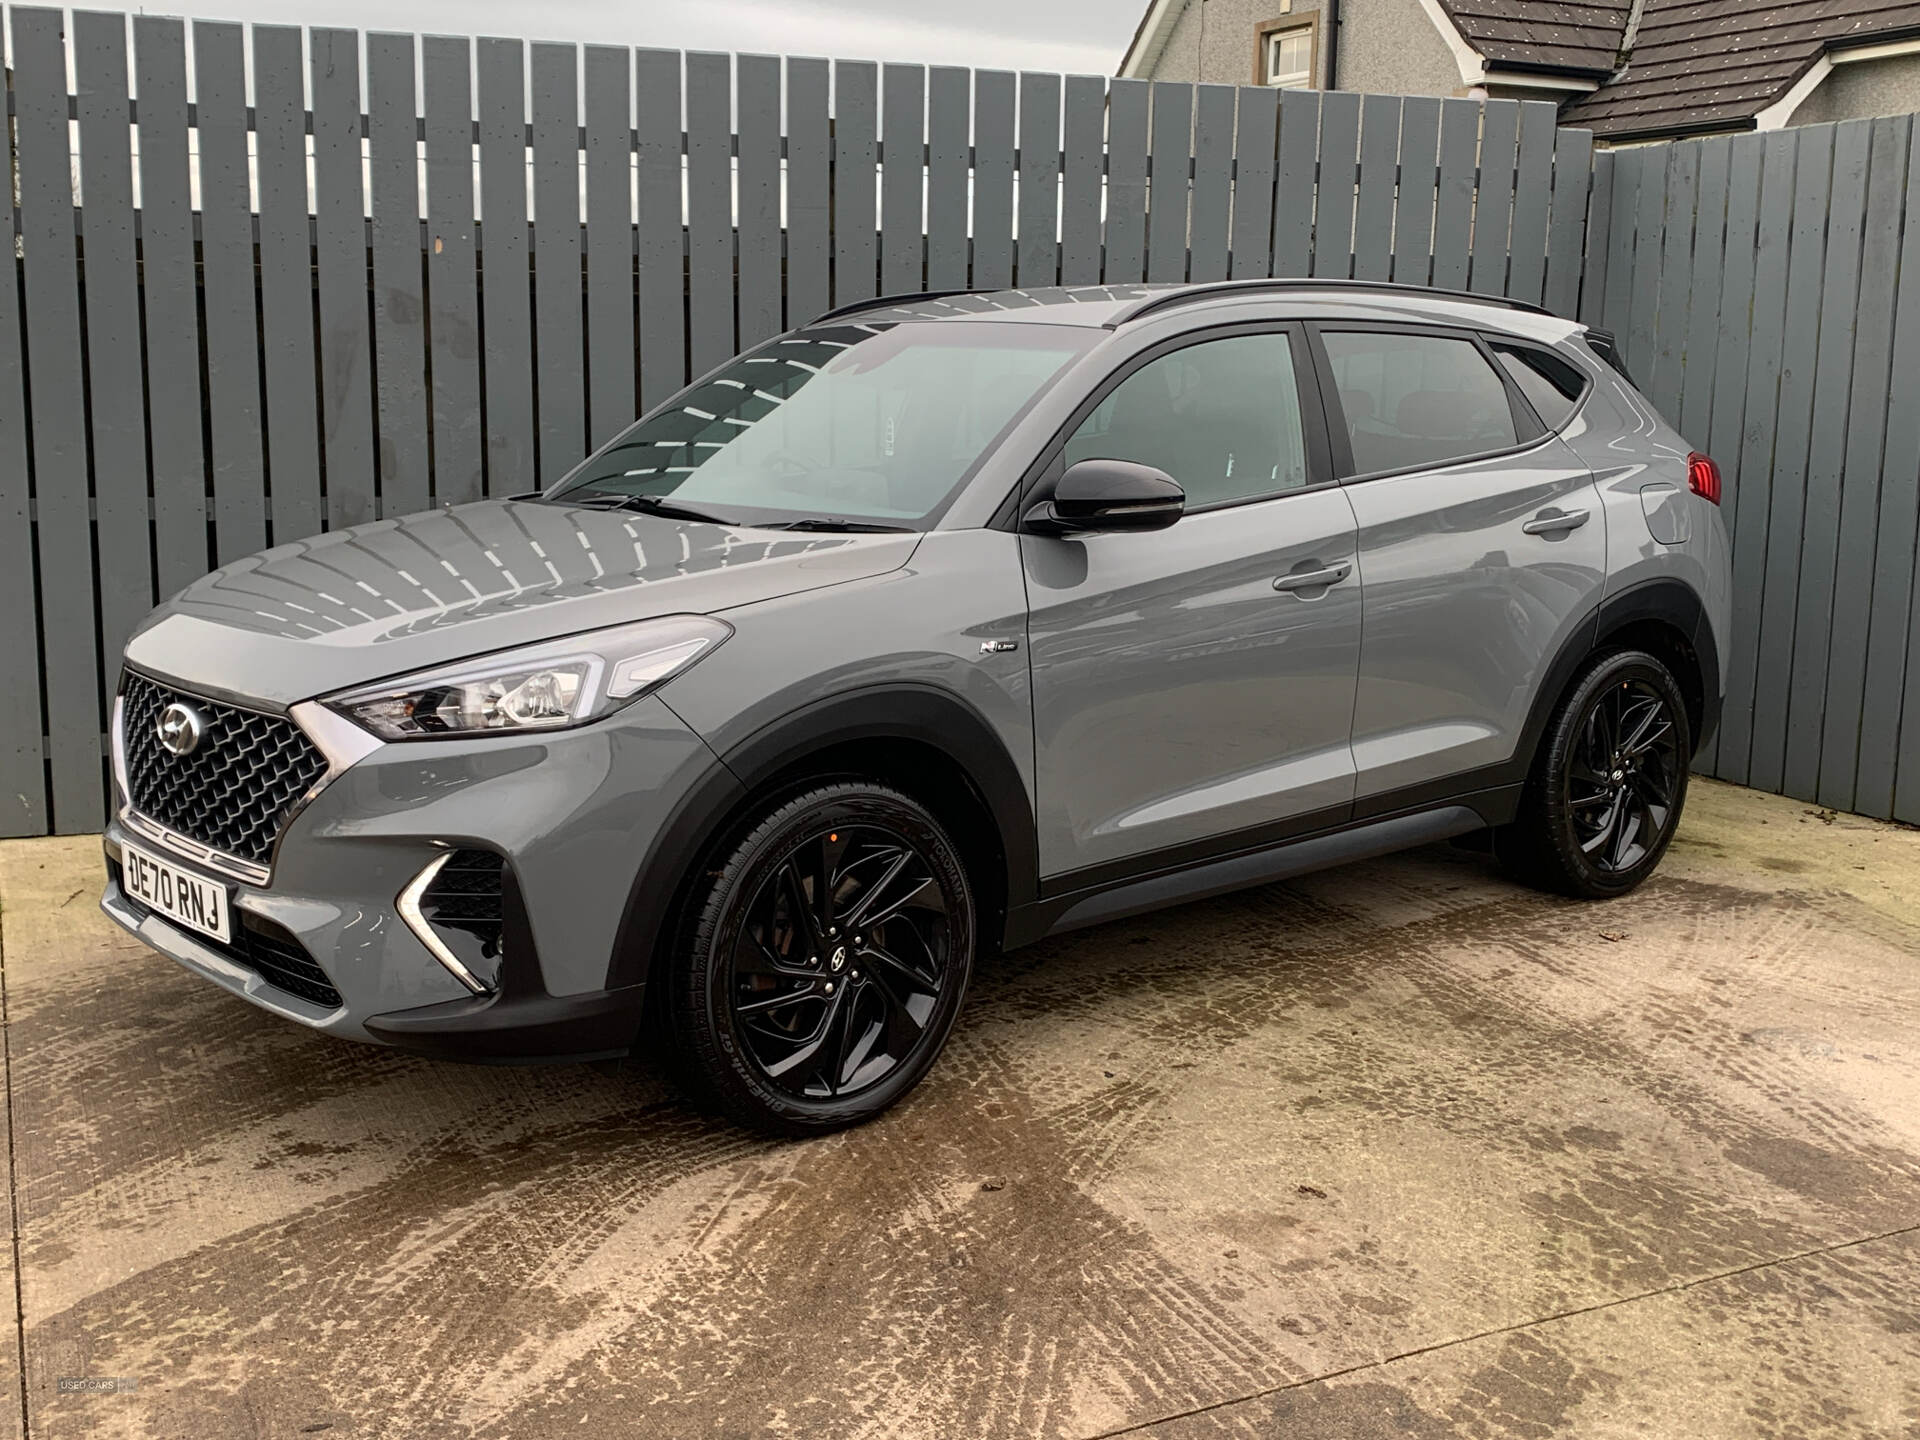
(1363, 841)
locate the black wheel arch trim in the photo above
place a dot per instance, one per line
(908, 711)
(1676, 604)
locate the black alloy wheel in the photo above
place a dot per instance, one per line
(1622, 780)
(828, 961)
(1609, 782)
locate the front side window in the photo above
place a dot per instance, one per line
(1221, 417)
(863, 424)
(1413, 401)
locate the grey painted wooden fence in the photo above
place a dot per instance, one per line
(1767, 289)
(342, 279)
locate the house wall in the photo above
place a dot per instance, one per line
(1212, 40)
(1867, 88)
(1391, 47)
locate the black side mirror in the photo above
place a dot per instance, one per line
(1095, 496)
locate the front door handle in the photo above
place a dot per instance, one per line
(1315, 579)
(1555, 522)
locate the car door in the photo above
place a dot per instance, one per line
(1482, 545)
(1193, 687)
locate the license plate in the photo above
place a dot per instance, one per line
(178, 894)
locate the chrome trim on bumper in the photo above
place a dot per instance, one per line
(232, 866)
(408, 904)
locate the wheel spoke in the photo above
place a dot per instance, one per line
(753, 956)
(873, 951)
(804, 920)
(1629, 828)
(763, 1003)
(1608, 826)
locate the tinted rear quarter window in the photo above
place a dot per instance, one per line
(1414, 401)
(1552, 387)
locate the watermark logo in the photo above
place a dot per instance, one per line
(98, 1385)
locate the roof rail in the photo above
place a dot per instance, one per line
(883, 302)
(1218, 289)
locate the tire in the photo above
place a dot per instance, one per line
(803, 1028)
(1608, 785)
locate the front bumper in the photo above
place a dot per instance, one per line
(571, 813)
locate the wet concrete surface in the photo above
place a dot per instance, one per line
(1397, 1150)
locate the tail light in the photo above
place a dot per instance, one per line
(1703, 477)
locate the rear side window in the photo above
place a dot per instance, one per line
(1552, 386)
(1414, 401)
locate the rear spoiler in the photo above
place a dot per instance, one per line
(1606, 345)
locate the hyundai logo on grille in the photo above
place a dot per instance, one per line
(180, 728)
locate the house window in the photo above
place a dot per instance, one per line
(1283, 54)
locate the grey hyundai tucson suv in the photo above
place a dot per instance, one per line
(941, 625)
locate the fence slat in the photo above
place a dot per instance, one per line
(399, 341)
(1806, 265)
(1532, 191)
(1379, 164)
(1566, 238)
(506, 298)
(122, 533)
(1694, 414)
(761, 314)
(453, 321)
(1127, 102)
(992, 179)
(23, 776)
(1730, 332)
(226, 257)
(855, 123)
(809, 252)
(1333, 198)
(1827, 459)
(1627, 167)
(286, 281)
(1753, 513)
(70, 656)
(1082, 144)
(169, 295)
(1038, 194)
(1171, 158)
(1493, 198)
(662, 258)
(1888, 783)
(1419, 172)
(555, 73)
(1212, 182)
(1256, 139)
(1293, 202)
(1643, 305)
(1670, 277)
(948, 103)
(1861, 480)
(1453, 205)
(710, 210)
(607, 73)
(1593, 283)
(904, 98)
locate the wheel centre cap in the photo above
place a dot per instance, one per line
(1618, 776)
(838, 960)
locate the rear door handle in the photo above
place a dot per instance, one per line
(1315, 579)
(1555, 522)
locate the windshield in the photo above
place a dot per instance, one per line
(866, 426)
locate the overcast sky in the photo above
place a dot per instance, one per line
(1076, 36)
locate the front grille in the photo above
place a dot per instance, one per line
(236, 789)
(267, 949)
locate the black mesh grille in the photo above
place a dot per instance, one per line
(269, 951)
(235, 790)
(466, 896)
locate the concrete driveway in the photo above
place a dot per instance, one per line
(1395, 1150)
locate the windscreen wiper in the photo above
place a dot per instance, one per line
(649, 504)
(829, 522)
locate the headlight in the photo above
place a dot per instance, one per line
(542, 687)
